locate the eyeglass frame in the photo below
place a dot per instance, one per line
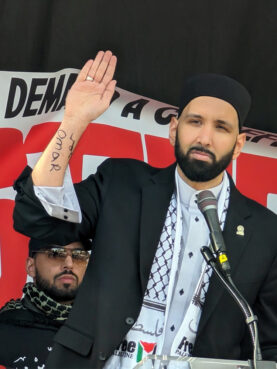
(69, 252)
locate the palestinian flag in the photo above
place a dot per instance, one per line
(145, 347)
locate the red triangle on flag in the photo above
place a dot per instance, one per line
(148, 347)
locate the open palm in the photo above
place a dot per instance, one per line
(89, 98)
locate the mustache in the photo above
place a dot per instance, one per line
(202, 149)
(65, 272)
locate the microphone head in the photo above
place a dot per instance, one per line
(206, 200)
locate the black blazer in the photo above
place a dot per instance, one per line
(124, 206)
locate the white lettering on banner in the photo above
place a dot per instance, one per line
(91, 163)
(272, 202)
(7, 193)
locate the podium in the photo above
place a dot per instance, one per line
(174, 362)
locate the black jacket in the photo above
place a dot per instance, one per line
(124, 206)
(26, 336)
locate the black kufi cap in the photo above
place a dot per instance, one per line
(220, 86)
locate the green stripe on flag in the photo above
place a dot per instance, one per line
(139, 354)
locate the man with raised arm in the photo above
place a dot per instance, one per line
(147, 288)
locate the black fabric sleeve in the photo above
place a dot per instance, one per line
(266, 310)
(31, 219)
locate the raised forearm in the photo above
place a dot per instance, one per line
(87, 99)
(50, 169)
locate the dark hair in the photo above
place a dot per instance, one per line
(35, 245)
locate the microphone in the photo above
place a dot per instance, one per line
(207, 204)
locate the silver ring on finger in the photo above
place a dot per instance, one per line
(89, 78)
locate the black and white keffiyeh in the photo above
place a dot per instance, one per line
(147, 335)
(51, 308)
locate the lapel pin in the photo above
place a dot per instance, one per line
(240, 230)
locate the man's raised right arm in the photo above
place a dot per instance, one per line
(49, 191)
(86, 100)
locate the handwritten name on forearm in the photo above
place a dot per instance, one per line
(71, 146)
(61, 135)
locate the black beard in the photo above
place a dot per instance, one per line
(198, 170)
(57, 294)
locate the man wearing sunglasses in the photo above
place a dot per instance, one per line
(27, 325)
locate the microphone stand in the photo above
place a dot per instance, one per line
(250, 318)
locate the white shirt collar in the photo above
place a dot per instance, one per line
(188, 194)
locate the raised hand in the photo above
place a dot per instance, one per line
(88, 98)
(93, 89)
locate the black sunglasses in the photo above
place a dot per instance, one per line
(60, 253)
